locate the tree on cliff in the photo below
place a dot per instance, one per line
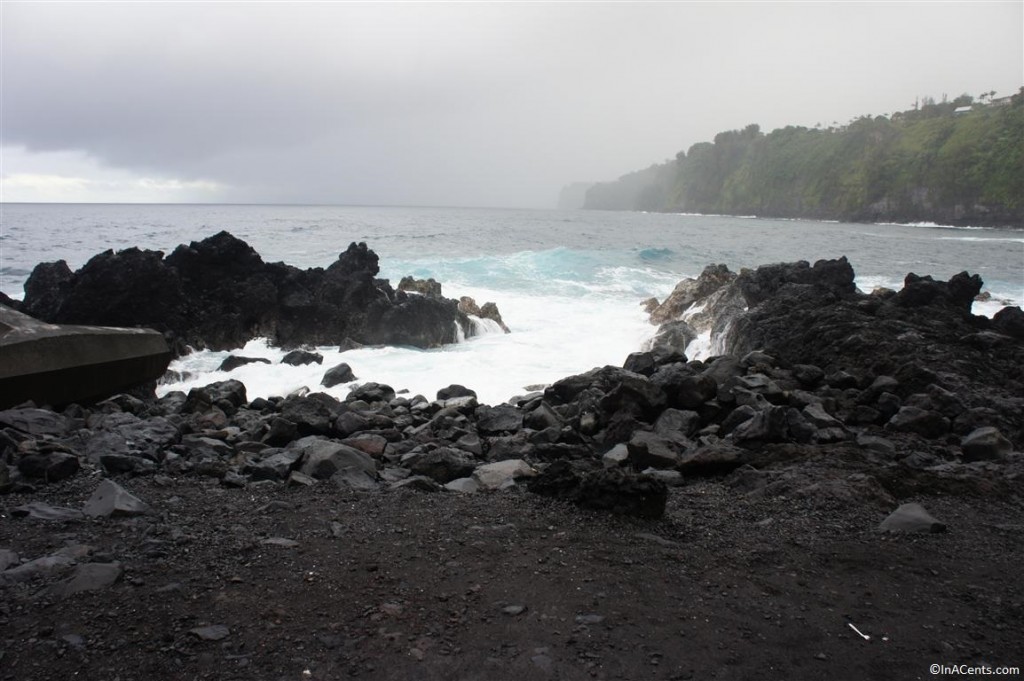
(928, 163)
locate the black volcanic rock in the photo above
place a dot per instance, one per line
(923, 338)
(218, 293)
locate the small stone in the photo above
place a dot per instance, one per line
(911, 518)
(234, 480)
(110, 499)
(7, 558)
(214, 632)
(985, 444)
(463, 485)
(297, 479)
(40, 511)
(514, 610)
(501, 474)
(280, 541)
(589, 619)
(88, 577)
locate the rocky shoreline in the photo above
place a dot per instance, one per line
(218, 293)
(826, 411)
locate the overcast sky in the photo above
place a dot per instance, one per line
(448, 104)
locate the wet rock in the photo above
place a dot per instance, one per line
(338, 375)
(110, 499)
(985, 444)
(911, 518)
(642, 363)
(301, 357)
(228, 396)
(371, 393)
(426, 287)
(232, 362)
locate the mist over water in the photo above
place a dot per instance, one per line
(568, 284)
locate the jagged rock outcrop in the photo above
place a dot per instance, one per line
(923, 337)
(218, 293)
(467, 305)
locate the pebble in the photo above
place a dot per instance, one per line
(214, 632)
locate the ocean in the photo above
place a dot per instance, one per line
(569, 284)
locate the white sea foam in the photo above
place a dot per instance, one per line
(552, 337)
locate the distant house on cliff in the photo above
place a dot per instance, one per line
(962, 109)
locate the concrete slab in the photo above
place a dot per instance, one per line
(55, 364)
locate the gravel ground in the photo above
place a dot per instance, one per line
(508, 585)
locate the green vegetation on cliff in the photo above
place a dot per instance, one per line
(947, 162)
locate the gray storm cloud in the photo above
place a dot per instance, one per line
(463, 104)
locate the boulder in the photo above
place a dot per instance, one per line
(926, 423)
(50, 466)
(442, 464)
(321, 459)
(500, 419)
(454, 391)
(650, 450)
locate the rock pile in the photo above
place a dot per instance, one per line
(812, 414)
